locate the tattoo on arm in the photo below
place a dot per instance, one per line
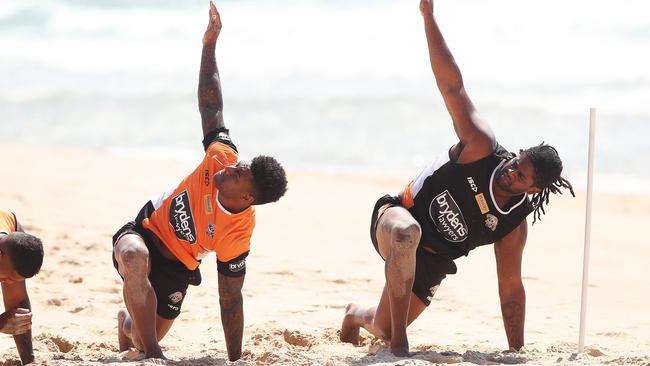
(209, 93)
(513, 320)
(24, 341)
(232, 318)
(232, 313)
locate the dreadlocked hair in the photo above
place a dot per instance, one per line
(548, 169)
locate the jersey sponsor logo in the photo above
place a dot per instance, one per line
(237, 266)
(472, 185)
(491, 222)
(448, 218)
(482, 203)
(206, 177)
(180, 217)
(208, 203)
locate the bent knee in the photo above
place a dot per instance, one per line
(132, 258)
(405, 235)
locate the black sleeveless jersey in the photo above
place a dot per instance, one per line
(455, 206)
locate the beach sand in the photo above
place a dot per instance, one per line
(310, 256)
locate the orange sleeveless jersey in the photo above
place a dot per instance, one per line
(191, 222)
(7, 222)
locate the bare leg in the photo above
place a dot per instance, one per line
(398, 235)
(126, 336)
(375, 319)
(139, 325)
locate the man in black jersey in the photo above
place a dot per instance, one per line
(475, 194)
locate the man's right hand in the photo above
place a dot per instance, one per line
(214, 26)
(426, 7)
(16, 321)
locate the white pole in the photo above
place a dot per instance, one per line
(585, 260)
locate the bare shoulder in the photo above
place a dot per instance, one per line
(514, 240)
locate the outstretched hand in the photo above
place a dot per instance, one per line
(426, 7)
(214, 26)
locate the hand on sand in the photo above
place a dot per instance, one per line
(214, 26)
(426, 7)
(16, 321)
(400, 350)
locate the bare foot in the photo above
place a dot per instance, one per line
(351, 325)
(156, 354)
(400, 352)
(123, 339)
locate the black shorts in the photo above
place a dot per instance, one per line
(168, 278)
(430, 268)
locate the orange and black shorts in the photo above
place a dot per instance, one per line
(430, 268)
(169, 279)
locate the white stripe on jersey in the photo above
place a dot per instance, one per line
(439, 161)
(158, 201)
(523, 198)
(223, 209)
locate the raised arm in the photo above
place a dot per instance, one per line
(18, 313)
(476, 138)
(508, 252)
(232, 313)
(210, 98)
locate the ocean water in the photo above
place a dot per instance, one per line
(339, 85)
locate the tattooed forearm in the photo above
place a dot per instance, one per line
(232, 318)
(24, 346)
(209, 93)
(513, 320)
(24, 341)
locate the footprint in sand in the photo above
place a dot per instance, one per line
(266, 358)
(76, 279)
(55, 302)
(10, 363)
(296, 338)
(76, 310)
(281, 273)
(56, 343)
(613, 334)
(594, 352)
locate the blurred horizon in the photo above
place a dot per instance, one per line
(340, 85)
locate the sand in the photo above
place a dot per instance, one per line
(310, 256)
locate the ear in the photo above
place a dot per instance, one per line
(248, 198)
(533, 190)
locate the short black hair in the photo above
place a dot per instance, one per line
(548, 176)
(25, 252)
(270, 179)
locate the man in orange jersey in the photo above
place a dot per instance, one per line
(476, 193)
(158, 253)
(21, 257)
